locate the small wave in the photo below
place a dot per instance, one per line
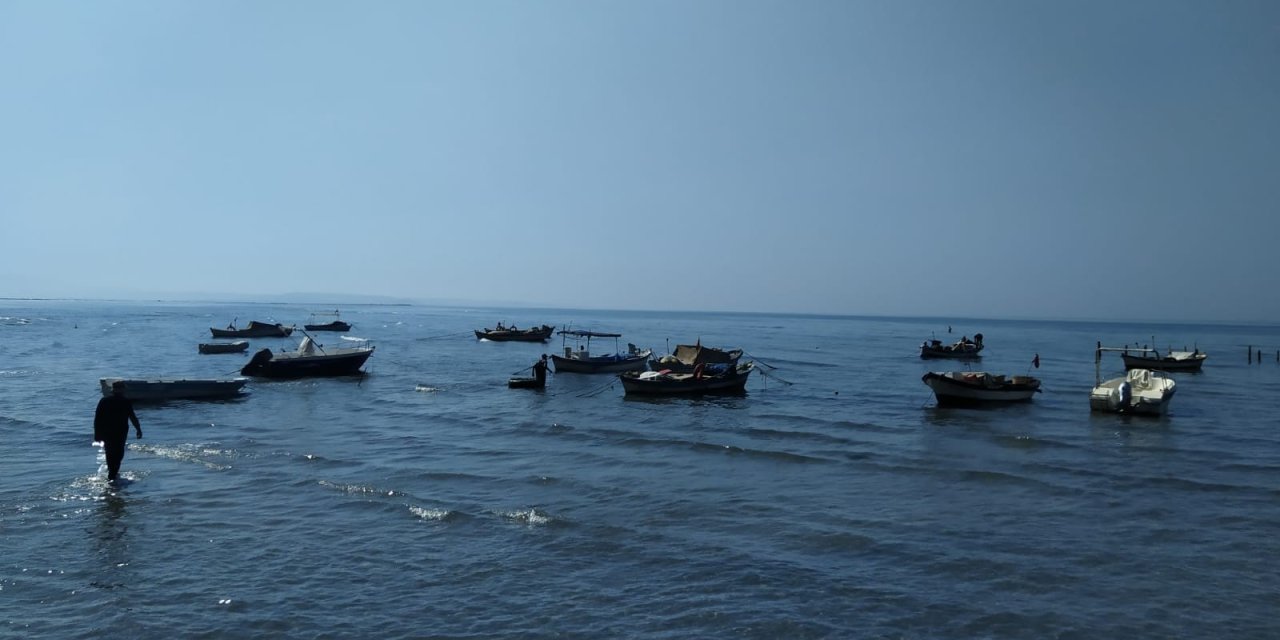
(435, 515)
(188, 453)
(423, 388)
(531, 517)
(360, 490)
(355, 339)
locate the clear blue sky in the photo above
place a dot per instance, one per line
(977, 158)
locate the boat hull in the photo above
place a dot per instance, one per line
(617, 363)
(540, 334)
(160, 389)
(254, 330)
(933, 353)
(733, 382)
(336, 325)
(526, 383)
(337, 362)
(962, 388)
(238, 346)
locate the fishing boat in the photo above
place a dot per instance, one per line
(239, 346)
(160, 389)
(1170, 361)
(308, 360)
(964, 349)
(687, 356)
(578, 358)
(254, 329)
(706, 379)
(333, 325)
(959, 388)
(512, 334)
(1139, 391)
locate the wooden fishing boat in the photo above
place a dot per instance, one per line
(160, 389)
(1171, 361)
(239, 346)
(722, 379)
(578, 359)
(309, 360)
(511, 334)
(959, 388)
(255, 329)
(964, 349)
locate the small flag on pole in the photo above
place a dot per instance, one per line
(1035, 362)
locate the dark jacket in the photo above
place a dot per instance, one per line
(111, 420)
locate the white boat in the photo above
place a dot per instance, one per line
(155, 389)
(580, 359)
(953, 388)
(308, 360)
(1138, 391)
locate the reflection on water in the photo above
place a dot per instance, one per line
(110, 538)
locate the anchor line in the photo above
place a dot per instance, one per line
(773, 376)
(758, 360)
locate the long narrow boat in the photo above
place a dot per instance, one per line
(1171, 361)
(337, 324)
(580, 360)
(255, 329)
(309, 360)
(507, 334)
(159, 389)
(959, 388)
(719, 379)
(239, 346)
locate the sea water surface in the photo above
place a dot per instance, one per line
(834, 500)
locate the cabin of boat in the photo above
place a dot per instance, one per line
(687, 356)
(254, 329)
(160, 389)
(964, 349)
(223, 347)
(309, 360)
(723, 379)
(512, 334)
(578, 358)
(958, 388)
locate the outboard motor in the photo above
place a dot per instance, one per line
(256, 363)
(1124, 395)
(977, 339)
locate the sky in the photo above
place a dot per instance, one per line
(984, 158)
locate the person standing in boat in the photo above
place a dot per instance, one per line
(540, 371)
(111, 427)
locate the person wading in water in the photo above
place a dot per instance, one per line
(111, 427)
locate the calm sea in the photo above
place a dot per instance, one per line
(427, 500)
